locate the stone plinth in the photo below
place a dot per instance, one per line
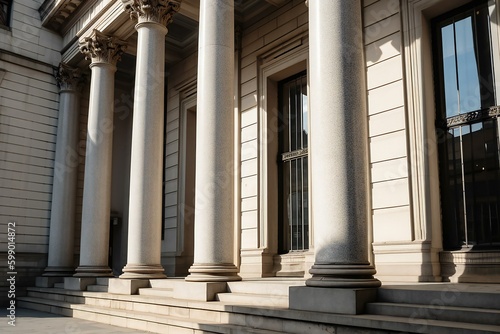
(78, 283)
(48, 282)
(126, 286)
(330, 300)
(201, 291)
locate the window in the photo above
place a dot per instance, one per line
(5, 9)
(467, 127)
(293, 182)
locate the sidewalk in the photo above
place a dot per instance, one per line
(36, 322)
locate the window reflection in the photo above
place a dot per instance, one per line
(462, 87)
(469, 155)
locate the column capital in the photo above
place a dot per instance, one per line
(68, 78)
(158, 11)
(100, 48)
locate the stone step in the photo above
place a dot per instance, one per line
(146, 303)
(59, 285)
(237, 298)
(97, 288)
(57, 295)
(263, 318)
(436, 312)
(155, 292)
(167, 283)
(459, 295)
(264, 287)
(255, 320)
(102, 281)
(137, 320)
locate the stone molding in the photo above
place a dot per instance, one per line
(100, 48)
(68, 78)
(158, 11)
(56, 14)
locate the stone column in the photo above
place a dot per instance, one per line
(62, 214)
(145, 205)
(339, 146)
(214, 220)
(342, 277)
(104, 53)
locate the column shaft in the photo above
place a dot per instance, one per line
(339, 146)
(63, 207)
(214, 226)
(145, 208)
(105, 52)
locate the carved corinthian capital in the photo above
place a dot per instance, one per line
(159, 11)
(68, 78)
(100, 48)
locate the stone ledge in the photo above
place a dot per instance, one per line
(330, 300)
(201, 291)
(126, 286)
(48, 281)
(78, 283)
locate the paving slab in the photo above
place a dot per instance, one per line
(36, 322)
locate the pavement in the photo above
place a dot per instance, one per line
(36, 322)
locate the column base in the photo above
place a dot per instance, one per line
(59, 271)
(330, 300)
(137, 271)
(343, 276)
(213, 273)
(93, 271)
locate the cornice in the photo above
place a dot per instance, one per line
(56, 13)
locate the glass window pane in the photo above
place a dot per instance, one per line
(305, 121)
(450, 70)
(468, 78)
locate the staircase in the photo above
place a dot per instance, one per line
(442, 308)
(260, 306)
(271, 292)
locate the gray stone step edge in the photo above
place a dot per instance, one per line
(383, 322)
(252, 299)
(451, 297)
(131, 319)
(155, 292)
(436, 312)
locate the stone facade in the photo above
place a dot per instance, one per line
(161, 159)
